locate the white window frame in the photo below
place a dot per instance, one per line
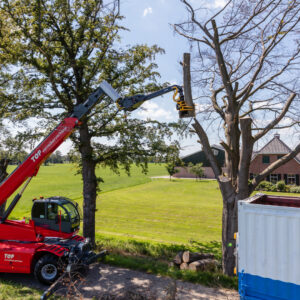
(274, 179)
(291, 179)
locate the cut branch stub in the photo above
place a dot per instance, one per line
(188, 99)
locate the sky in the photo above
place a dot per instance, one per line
(150, 22)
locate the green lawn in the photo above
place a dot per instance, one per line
(61, 180)
(136, 206)
(11, 291)
(162, 210)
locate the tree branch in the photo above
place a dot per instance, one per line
(276, 120)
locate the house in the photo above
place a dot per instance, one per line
(199, 157)
(273, 150)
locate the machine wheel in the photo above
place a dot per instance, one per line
(46, 269)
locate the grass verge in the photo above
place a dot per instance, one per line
(154, 258)
(11, 291)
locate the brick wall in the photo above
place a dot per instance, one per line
(184, 173)
(291, 167)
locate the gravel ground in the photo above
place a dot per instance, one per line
(105, 282)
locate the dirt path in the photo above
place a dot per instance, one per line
(123, 282)
(105, 282)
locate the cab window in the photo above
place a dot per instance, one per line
(52, 211)
(38, 211)
(72, 210)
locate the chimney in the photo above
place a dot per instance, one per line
(277, 135)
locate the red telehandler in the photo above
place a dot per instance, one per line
(48, 244)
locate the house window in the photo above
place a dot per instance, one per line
(266, 159)
(291, 179)
(274, 178)
(215, 152)
(279, 156)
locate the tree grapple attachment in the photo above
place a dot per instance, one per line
(132, 103)
(78, 256)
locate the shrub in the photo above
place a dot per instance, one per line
(295, 189)
(274, 188)
(170, 167)
(280, 185)
(197, 170)
(265, 186)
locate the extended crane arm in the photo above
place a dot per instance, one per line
(132, 103)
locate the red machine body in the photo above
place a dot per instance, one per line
(23, 244)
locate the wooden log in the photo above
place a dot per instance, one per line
(184, 266)
(203, 265)
(178, 258)
(188, 99)
(190, 257)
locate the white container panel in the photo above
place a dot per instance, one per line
(269, 241)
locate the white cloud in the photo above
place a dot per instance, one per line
(153, 111)
(147, 11)
(215, 3)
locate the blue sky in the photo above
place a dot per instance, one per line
(149, 22)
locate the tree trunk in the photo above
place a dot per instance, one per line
(3, 173)
(229, 227)
(229, 224)
(89, 183)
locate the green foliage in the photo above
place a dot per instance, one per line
(280, 186)
(171, 169)
(265, 186)
(198, 170)
(295, 189)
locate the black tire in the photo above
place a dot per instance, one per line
(46, 269)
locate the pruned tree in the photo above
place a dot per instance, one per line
(246, 69)
(64, 50)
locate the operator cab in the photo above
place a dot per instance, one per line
(56, 213)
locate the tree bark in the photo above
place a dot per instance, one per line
(188, 98)
(178, 258)
(189, 257)
(89, 183)
(207, 264)
(3, 174)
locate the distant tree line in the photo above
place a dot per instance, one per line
(56, 158)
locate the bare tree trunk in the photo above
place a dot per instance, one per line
(89, 183)
(3, 173)
(229, 224)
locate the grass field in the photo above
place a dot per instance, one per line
(137, 207)
(62, 180)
